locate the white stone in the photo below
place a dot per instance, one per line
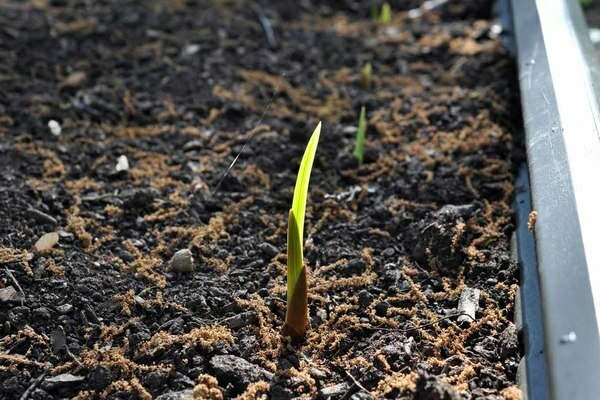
(55, 127)
(122, 164)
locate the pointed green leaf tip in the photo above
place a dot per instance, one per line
(301, 189)
(386, 14)
(359, 146)
(296, 217)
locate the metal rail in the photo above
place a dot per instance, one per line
(558, 76)
(533, 374)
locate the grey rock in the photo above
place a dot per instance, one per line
(46, 242)
(509, 341)
(65, 378)
(318, 374)
(194, 145)
(263, 292)
(42, 313)
(65, 309)
(468, 304)
(126, 256)
(356, 266)
(182, 261)
(237, 371)
(388, 252)
(365, 298)
(154, 380)
(362, 396)
(58, 339)
(182, 395)
(268, 249)
(41, 217)
(10, 295)
(241, 320)
(179, 379)
(100, 377)
(333, 391)
(453, 211)
(382, 308)
(430, 387)
(18, 316)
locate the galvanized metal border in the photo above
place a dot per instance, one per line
(559, 196)
(533, 374)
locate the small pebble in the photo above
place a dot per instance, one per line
(182, 261)
(268, 249)
(65, 378)
(73, 80)
(122, 164)
(365, 298)
(9, 294)
(41, 217)
(468, 304)
(191, 49)
(65, 308)
(388, 252)
(46, 242)
(55, 127)
(318, 374)
(382, 308)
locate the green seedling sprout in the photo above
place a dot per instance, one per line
(374, 11)
(365, 73)
(359, 146)
(296, 316)
(386, 14)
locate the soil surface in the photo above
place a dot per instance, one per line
(177, 87)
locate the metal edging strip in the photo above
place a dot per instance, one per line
(553, 66)
(534, 379)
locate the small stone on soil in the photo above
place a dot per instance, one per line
(73, 80)
(182, 261)
(509, 341)
(268, 249)
(42, 313)
(333, 391)
(468, 304)
(430, 387)
(236, 370)
(356, 266)
(65, 308)
(241, 320)
(193, 145)
(382, 308)
(182, 395)
(122, 164)
(365, 298)
(317, 374)
(65, 378)
(41, 217)
(46, 242)
(55, 127)
(58, 339)
(9, 295)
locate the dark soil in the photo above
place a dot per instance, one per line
(177, 87)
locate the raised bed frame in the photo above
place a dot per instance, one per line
(559, 74)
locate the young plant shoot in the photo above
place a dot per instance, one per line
(386, 14)
(296, 316)
(374, 11)
(359, 145)
(365, 75)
